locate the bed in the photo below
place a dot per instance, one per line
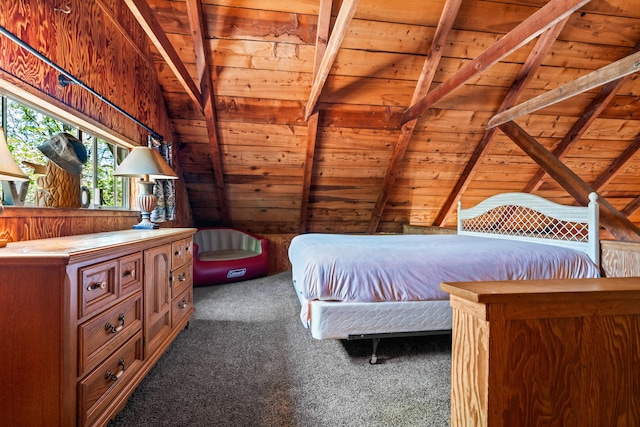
(376, 286)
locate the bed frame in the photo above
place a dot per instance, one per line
(515, 216)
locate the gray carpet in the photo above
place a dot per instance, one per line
(246, 360)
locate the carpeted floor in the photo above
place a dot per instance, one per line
(246, 360)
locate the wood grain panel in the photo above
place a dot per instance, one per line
(602, 380)
(279, 252)
(24, 343)
(548, 353)
(283, 85)
(247, 216)
(554, 367)
(469, 361)
(620, 259)
(36, 223)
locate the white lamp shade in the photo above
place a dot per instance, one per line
(143, 162)
(9, 170)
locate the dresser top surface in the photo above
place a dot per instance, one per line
(68, 246)
(511, 291)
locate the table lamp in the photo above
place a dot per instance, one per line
(9, 171)
(147, 164)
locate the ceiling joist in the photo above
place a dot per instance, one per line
(590, 114)
(322, 35)
(341, 26)
(448, 16)
(196, 24)
(147, 20)
(549, 15)
(618, 165)
(610, 218)
(606, 74)
(520, 83)
(632, 207)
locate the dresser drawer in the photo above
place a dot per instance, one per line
(181, 307)
(98, 390)
(130, 272)
(181, 252)
(181, 279)
(101, 335)
(98, 287)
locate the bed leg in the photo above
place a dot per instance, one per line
(374, 357)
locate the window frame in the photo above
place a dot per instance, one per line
(81, 130)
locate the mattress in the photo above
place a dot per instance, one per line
(409, 268)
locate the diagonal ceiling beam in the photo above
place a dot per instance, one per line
(547, 16)
(618, 165)
(196, 24)
(340, 28)
(588, 116)
(633, 206)
(322, 35)
(448, 16)
(147, 20)
(520, 83)
(606, 74)
(610, 218)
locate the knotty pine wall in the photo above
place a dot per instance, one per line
(101, 44)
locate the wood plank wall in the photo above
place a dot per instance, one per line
(101, 44)
(17, 224)
(279, 252)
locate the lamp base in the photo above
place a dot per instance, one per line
(142, 226)
(145, 223)
(146, 203)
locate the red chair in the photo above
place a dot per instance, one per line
(226, 255)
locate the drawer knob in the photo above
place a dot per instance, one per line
(115, 329)
(182, 277)
(97, 285)
(178, 253)
(131, 273)
(114, 377)
(182, 304)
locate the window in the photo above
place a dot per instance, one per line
(26, 128)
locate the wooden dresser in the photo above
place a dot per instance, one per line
(546, 352)
(84, 318)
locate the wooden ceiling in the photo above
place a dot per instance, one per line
(358, 116)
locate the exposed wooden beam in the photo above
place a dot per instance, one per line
(618, 165)
(196, 24)
(322, 36)
(312, 136)
(588, 116)
(147, 19)
(606, 74)
(631, 207)
(546, 17)
(610, 218)
(520, 83)
(340, 28)
(429, 68)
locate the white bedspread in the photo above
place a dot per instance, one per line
(334, 267)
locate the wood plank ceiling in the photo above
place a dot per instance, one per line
(359, 116)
